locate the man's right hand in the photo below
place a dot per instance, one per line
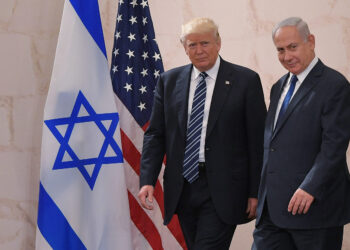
(146, 196)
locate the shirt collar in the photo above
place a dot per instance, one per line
(303, 75)
(212, 72)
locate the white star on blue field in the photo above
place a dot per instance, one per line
(64, 137)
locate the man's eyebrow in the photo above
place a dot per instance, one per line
(291, 44)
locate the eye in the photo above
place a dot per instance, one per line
(280, 50)
(205, 43)
(292, 46)
(191, 45)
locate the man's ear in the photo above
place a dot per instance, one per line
(218, 42)
(311, 40)
(185, 48)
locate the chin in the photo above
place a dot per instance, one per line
(294, 71)
(202, 68)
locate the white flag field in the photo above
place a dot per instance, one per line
(83, 201)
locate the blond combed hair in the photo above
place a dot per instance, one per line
(199, 25)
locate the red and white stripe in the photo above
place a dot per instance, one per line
(148, 231)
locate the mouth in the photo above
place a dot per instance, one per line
(290, 64)
(201, 59)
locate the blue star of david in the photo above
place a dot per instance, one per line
(109, 141)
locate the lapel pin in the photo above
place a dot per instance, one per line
(227, 82)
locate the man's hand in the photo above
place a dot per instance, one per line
(146, 196)
(251, 208)
(300, 202)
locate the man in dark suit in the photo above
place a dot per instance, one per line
(208, 120)
(304, 194)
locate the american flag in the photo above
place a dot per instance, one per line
(135, 69)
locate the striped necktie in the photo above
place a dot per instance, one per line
(194, 130)
(288, 97)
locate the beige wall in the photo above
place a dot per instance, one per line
(28, 38)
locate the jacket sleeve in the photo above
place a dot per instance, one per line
(154, 140)
(255, 121)
(331, 160)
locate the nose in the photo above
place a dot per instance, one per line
(287, 56)
(199, 49)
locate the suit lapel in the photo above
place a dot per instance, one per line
(182, 89)
(309, 82)
(223, 84)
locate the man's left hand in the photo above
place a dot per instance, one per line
(251, 207)
(300, 202)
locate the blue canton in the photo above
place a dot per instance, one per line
(136, 61)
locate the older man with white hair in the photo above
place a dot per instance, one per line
(304, 195)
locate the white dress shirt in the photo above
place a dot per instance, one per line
(210, 80)
(301, 77)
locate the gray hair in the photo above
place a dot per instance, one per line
(199, 25)
(299, 23)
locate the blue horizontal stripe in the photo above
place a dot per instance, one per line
(54, 226)
(89, 14)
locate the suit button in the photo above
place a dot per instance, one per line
(207, 149)
(272, 149)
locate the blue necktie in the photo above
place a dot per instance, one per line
(194, 130)
(287, 98)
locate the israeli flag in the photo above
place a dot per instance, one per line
(83, 200)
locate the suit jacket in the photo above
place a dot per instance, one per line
(307, 150)
(233, 145)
